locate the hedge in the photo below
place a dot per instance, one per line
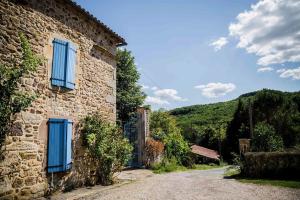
(282, 165)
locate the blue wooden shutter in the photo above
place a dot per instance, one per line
(59, 145)
(59, 62)
(70, 67)
(56, 145)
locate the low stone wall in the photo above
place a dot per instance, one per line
(272, 165)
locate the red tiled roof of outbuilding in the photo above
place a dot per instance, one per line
(202, 151)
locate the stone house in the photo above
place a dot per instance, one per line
(44, 151)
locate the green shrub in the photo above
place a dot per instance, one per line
(107, 146)
(265, 138)
(176, 147)
(236, 159)
(164, 128)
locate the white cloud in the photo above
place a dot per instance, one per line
(156, 101)
(280, 70)
(219, 43)
(271, 30)
(162, 97)
(154, 88)
(290, 73)
(214, 90)
(144, 87)
(265, 69)
(170, 94)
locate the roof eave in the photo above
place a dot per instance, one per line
(121, 40)
(122, 44)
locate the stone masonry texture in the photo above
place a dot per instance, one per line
(23, 172)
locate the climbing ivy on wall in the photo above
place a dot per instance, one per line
(12, 100)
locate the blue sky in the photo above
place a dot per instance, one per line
(197, 52)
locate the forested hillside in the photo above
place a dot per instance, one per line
(275, 116)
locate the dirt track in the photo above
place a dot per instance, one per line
(208, 184)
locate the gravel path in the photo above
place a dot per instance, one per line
(207, 184)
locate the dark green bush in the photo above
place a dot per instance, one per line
(272, 165)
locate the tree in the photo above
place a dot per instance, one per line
(129, 93)
(265, 138)
(12, 100)
(221, 135)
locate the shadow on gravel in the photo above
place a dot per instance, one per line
(288, 183)
(236, 176)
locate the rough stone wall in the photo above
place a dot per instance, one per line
(143, 132)
(23, 173)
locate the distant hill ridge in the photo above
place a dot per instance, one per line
(198, 108)
(205, 124)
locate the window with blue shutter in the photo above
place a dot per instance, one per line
(59, 145)
(63, 64)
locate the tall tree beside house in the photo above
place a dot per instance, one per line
(129, 93)
(12, 100)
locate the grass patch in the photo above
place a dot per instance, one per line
(167, 166)
(172, 165)
(234, 172)
(280, 183)
(206, 166)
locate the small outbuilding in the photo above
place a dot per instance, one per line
(205, 155)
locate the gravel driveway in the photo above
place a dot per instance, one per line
(195, 184)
